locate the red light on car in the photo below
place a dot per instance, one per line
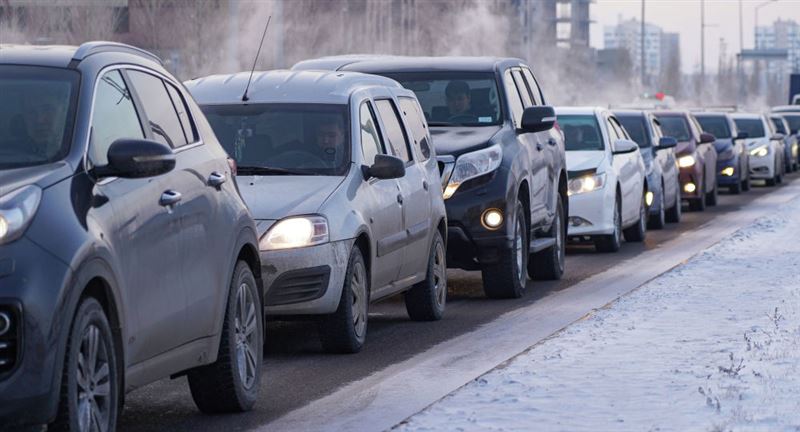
(660, 96)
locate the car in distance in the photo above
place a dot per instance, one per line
(607, 179)
(339, 172)
(765, 147)
(502, 162)
(733, 159)
(781, 126)
(661, 165)
(697, 158)
(127, 252)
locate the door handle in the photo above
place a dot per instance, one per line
(425, 185)
(400, 199)
(539, 146)
(216, 179)
(552, 141)
(170, 198)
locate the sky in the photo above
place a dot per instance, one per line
(683, 16)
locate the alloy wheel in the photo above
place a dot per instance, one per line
(439, 275)
(246, 331)
(93, 380)
(358, 285)
(518, 249)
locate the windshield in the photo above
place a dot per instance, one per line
(715, 125)
(455, 98)
(36, 114)
(676, 127)
(581, 132)
(281, 139)
(794, 122)
(778, 124)
(636, 129)
(754, 128)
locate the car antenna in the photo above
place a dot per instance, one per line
(245, 98)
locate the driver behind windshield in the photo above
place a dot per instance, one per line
(459, 99)
(331, 140)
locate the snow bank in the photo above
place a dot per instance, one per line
(713, 345)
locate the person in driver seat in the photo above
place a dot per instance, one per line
(459, 99)
(331, 140)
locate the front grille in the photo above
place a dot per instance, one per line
(298, 286)
(10, 338)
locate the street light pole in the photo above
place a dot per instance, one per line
(643, 39)
(755, 25)
(702, 45)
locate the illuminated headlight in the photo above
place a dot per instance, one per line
(296, 232)
(648, 198)
(727, 171)
(760, 151)
(16, 212)
(472, 165)
(586, 183)
(686, 161)
(689, 188)
(492, 219)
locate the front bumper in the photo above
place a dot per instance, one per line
(31, 280)
(723, 167)
(305, 281)
(654, 186)
(762, 167)
(594, 210)
(691, 175)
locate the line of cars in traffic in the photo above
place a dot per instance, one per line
(149, 227)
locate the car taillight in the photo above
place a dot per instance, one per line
(232, 165)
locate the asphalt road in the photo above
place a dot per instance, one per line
(297, 371)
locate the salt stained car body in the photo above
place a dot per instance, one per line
(341, 178)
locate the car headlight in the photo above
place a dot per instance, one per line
(16, 212)
(686, 161)
(296, 232)
(471, 165)
(760, 151)
(587, 183)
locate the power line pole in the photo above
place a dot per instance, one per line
(703, 44)
(643, 38)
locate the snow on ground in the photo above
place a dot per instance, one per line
(713, 345)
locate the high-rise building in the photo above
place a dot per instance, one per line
(785, 35)
(627, 35)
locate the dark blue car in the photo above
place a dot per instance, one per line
(732, 155)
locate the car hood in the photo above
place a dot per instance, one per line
(276, 197)
(456, 141)
(723, 144)
(685, 147)
(40, 175)
(584, 160)
(755, 142)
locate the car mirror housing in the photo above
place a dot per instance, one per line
(707, 138)
(137, 158)
(538, 118)
(386, 167)
(667, 142)
(624, 146)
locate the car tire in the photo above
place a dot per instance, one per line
(746, 183)
(735, 189)
(426, 300)
(699, 204)
(344, 331)
(548, 264)
(231, 383)
(638, 232)
(507, 277)
(712, 198)
(90, 339)
(659, 220)
(612, 242)
(675, 213)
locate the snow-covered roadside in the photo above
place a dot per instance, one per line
(713, 345)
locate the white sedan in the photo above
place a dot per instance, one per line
(766, 147)
(607, 179)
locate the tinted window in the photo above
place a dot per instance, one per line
(715, 125)
(538, 99)
(522, 88)
(676, 127)
(455, 98)
(513, 98)
(310, 139)
(637, 129)
(416, 122)
(164, 122)
(778, 124)
(656, 128)
(371, 144)
(581, 132)
(615, 131)
(394, 132)
(183, 113)
(754, 128)
(794, 122)
(114, 116)
(36, 114)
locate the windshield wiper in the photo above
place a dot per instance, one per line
(441, 124)
(258, 170)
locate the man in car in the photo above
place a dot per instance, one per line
(331, 140)
(459, 99)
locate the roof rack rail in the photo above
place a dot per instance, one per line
(97, 47)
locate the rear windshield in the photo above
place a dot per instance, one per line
(636, 129)
(794, 122)
(455, 98)
(301, 139)
(676, 127)
(754, 128)
(715, 125)
(778, 124)
(581, 132)
(36, 114)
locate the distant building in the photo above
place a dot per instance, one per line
(782, 34)
(561, 23)
(627, 35)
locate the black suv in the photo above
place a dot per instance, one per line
(127, 253)
(502, 162)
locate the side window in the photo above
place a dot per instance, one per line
(114, 116)
(371, 144)
(513, 98)
(522, 88)
(183, 113)
(164, 122)
(538, 98)
(613, 133)
(415, 120)
(394, 132)
(620, 130)
(656, 129)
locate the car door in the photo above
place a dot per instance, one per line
(668, 161)
(383, 204)
(147, 230)
(708, 155)
(626, 171)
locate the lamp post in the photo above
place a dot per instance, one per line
(755, 25)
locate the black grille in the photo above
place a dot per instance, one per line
(299, 286)
(9, 339)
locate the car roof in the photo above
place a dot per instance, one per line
(374, 64)
(585, 110)
(284, 86)
(629, 112)
(709, 114)
(751, 116)
(786, 108)
(39, 55)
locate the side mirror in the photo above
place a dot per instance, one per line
(742, 135)
(778, 137)
(707, 138)
(538, 118)
(137, 158)
(624, 147)
(386, 167)
(667, 142)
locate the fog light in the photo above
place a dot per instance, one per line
(648, 198)
(689, 187)
(5, 323)
(492, 219)
(727, 171)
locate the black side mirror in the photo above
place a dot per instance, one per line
(137, 158)
(624, 146)
(386, 167)
(538, 118)
(707, 138)
(667, 142)
(742, 135)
